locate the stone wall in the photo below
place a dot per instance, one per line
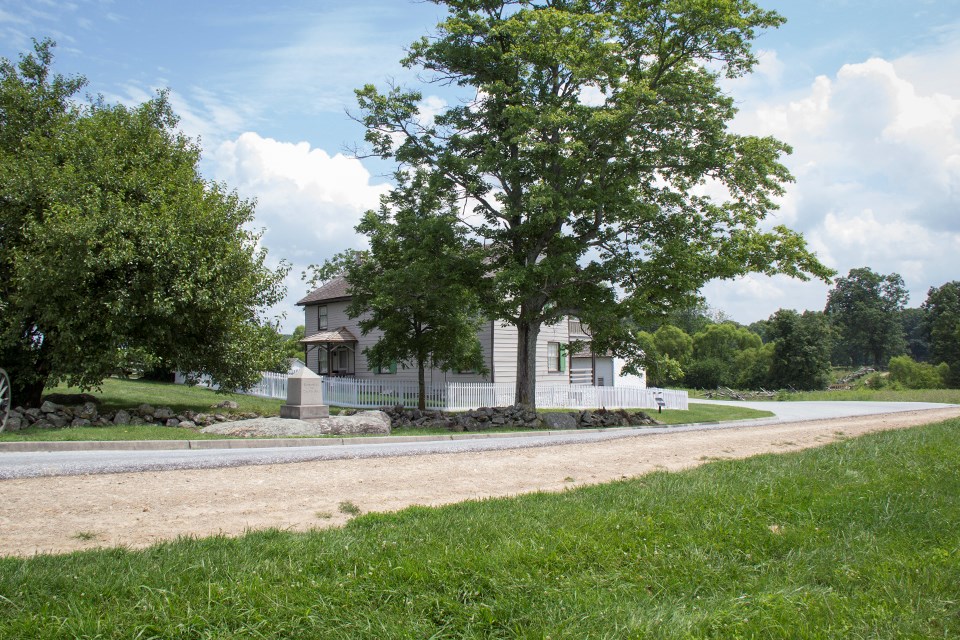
(515, 416)
(52, 415)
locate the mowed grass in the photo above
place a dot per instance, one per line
(859, 539)
(116, 394)
(947, 396)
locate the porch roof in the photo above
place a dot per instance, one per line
(339, 335)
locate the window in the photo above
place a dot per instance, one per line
(556, 357)
(322, 317)
(390, 369)
(343, 360)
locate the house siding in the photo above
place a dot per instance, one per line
(505, 352)
(337, 317)
(498, 341)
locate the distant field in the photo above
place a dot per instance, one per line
(948, 396)
(859, 539)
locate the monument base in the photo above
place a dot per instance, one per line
(304, 411)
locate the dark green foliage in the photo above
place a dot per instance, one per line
(709, 373)
(865, 309)
(858, 539)
(943, 325)
(112, 244)
(580, 201)
(801, 350)
(916, 333)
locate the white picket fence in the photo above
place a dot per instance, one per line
(363, 393)
(271, 385)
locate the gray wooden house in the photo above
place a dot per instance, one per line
(335, 346)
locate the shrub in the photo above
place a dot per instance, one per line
(917, 375)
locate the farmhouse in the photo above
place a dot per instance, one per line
(334, 346)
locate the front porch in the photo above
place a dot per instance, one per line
(335, 351)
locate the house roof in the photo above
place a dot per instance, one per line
(341, 334)
(332, 291)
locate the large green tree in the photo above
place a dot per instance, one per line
(801, 350)
(416, 285)
(865, 309)
(942, 308)
(111, 243)
(590, 128)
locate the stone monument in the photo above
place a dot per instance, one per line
(304, 397)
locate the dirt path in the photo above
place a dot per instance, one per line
(53, 515)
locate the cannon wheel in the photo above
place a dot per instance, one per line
(4, 398)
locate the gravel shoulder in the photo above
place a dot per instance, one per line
(68, 513)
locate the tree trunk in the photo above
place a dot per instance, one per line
(26, 386)
(28, 370)
(527, 334)
(421, 387)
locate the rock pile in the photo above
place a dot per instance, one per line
(52, 415)
(515, 416)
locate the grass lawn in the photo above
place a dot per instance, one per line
(949, 396)
(123, 394)
(859, 539)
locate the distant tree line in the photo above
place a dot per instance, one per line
(865, 322)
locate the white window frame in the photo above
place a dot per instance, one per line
(322, 317)
(553, 357)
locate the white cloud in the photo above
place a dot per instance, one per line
(877, 166)
(307, 200)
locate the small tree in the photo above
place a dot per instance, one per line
(417, 284)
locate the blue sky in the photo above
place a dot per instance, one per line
(866, 92)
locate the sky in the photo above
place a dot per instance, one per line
(867, 93)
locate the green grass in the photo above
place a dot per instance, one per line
(860, 539)
(699, 412)
(122, 394)
(949, 396)
(110, 433)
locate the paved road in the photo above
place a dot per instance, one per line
(55, 463)
(822, 410)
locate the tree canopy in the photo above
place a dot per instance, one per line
(865, 308)
(942, 308)
(801, 350)
(111, 241)
(583, 155)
